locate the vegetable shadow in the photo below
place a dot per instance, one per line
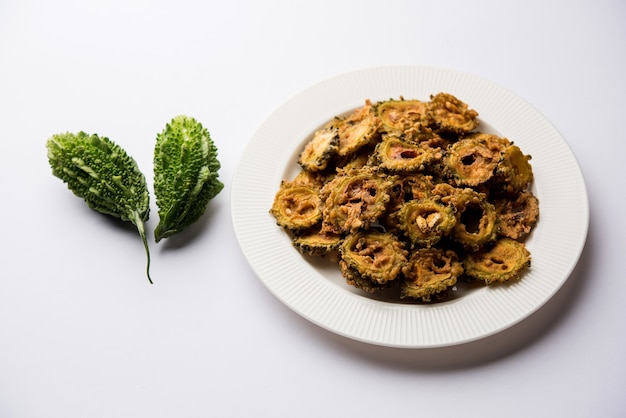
(516, 339)
(125, 227)
(193, 231)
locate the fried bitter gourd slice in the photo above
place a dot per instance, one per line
(400, 115)
(104, 175)
(417, 186)
(500, 262)
(320, 149)
(446, 113)
(395, 155)
(473, 160)
(477, 219)
(354, 199)
(185, 174)
(358, 130)
(424, 135)
(376, 256)
(425, 221)
(513, 173)
(406, 188)
(296, 206)
(518, 215)
(354, 278)
(317, 243)
(430, 271)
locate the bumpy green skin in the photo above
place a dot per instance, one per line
(104, 175)
(185, 175)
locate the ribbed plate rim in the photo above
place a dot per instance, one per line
(556, 244)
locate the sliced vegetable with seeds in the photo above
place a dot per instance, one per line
(104, 175)
(185, 175)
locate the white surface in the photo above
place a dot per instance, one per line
(83, 334)
(317, 291)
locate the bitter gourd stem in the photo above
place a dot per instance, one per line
(141, 228)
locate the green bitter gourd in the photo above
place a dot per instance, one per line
(104, 175)
(185, 174)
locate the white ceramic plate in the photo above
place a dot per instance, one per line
(317, 291)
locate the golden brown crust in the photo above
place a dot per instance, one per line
(500, 262)
(426, 221)
(517, 216)
(321, 148)
(477, 220)
(473, 160)
(354, 199)
(430, 271)
(395, 155)
(358, 130)
(296, 207)
(317, 243)
(400, 115)
(354, 278)
(377, 256)
(449, 114)
(514, 172)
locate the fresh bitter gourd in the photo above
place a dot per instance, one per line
(185, 174)
(104, 175)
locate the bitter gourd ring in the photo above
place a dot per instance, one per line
(296, 206)
(377, 256)
(498, 263)
(430, 271)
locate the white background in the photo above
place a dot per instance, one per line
(83, 334)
